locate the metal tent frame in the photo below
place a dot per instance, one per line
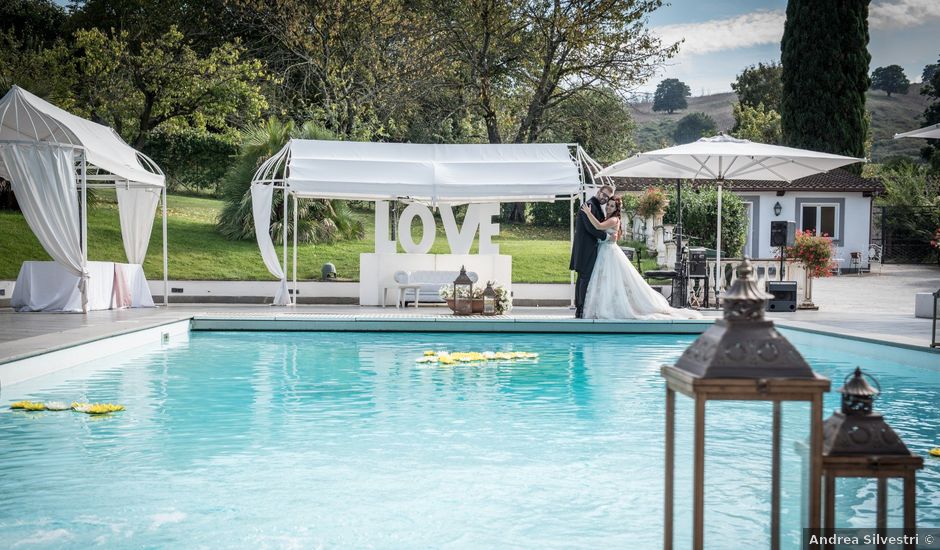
(48, 130)
(275, 171)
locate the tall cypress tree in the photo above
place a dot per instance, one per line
(825, 59)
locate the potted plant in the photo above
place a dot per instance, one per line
(652, 203)
(815, 253)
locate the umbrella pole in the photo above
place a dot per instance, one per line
(718, 251)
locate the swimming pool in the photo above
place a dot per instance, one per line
(342, 440)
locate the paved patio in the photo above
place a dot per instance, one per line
(876, 306)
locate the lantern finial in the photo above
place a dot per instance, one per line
(858, 396)
(745, 301)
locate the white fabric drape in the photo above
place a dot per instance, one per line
(137, 207)
(262, 196)
(43, 178)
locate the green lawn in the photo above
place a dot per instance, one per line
(198, 252)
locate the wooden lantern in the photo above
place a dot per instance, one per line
(859, 443)
(463, 294)
(742, 357)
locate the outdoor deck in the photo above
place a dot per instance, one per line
(878, 307)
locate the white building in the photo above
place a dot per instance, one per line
(837, 203)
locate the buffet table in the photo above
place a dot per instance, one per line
(47, 286)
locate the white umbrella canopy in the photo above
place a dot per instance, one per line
(927, 132)
(721, 158)
(726, 158)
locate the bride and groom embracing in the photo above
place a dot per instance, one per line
(609, 287)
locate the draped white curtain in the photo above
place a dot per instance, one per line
(262, 197)
(137, 207)
(43, 178)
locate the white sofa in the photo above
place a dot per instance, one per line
(431, 282)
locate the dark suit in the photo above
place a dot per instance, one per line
(584, 251)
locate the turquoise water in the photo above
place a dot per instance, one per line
(304, 440)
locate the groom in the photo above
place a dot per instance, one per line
(584, 248)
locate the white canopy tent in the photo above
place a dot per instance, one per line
(51, 157)
(927, 132)
(424, 173)
(723, 158)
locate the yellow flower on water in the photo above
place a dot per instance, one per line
(428, 352)
(19, 404)
(34, 406)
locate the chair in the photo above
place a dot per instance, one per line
(874, 257)
(855, 262)
(839, 259)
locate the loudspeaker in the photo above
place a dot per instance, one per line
(784, 295)
(697, 265)
(782, 233)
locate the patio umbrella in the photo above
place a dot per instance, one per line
(722, 158)
(927, 132)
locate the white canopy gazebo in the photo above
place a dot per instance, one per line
(422, 173)
(52, 157)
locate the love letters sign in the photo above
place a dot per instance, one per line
(460, 239)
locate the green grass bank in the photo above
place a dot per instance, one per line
(198, 252)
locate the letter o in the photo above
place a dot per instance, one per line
(427, 229)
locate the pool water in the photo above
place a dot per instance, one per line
(302, 440)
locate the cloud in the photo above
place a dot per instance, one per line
(902, 13)
(742, 31)
(766, 26)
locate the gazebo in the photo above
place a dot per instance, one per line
(426, 174)
(52, 158)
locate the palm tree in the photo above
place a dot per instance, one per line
(318, 220)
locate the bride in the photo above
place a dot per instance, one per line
(616, 289)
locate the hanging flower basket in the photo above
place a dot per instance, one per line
(652, 203)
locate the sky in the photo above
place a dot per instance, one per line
(722, 37)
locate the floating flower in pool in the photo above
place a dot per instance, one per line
(57, 406)
(97, 408)
(476, 357)
(28, 405)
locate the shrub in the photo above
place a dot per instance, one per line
(193, 160)
(319, 221)
(699, 217)
(550, 214)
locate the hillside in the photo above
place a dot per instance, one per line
(889, 115)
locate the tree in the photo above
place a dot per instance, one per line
(757, 124)
(165, 81)
(32, 23)
(760, 84)
(693, 126)
(519, 61)
(824, 53)
(929, 71)
(890, 79)
(931, 151)
(318, 220)
(670, 95)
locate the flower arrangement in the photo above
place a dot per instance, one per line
(814, 252)
(444, 358)
(503, 298)
(652, 202)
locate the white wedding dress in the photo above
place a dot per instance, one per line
(617, 290)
